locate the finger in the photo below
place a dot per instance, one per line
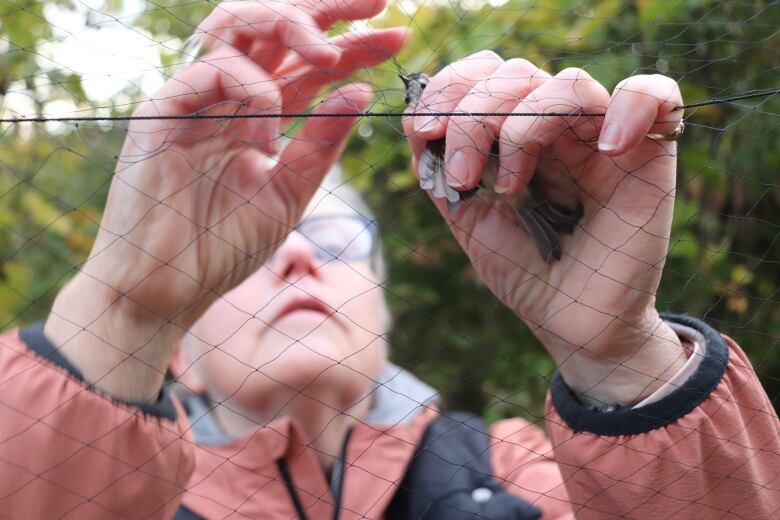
(328, 12)
(523, 138)
(312, 153)
(448, 87)
(221, 83)
(470, 140)
(639, 105)
(266, 32)
(300, 82)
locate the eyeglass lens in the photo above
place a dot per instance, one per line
(348, 238)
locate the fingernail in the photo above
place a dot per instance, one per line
(501, 184)
(610, 137)
(457, 171)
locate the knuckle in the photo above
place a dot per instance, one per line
(486, 55)
(525, 75)
(474, 67)
(656, 85)
(574, 73)
(673, 88)
(622, 84)
(519, 66)
(663, 78)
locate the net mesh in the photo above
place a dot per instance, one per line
(213, 148)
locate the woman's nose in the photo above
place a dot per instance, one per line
(295, 258)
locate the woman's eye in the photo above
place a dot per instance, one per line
(348, 239)
(329, 241)
(331, 247)
(359, 246)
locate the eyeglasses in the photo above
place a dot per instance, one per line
(346, 237)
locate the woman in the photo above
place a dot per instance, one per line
(228, 261)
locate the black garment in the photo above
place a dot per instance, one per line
(185, 514)
(450, 477)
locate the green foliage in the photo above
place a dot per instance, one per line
(723, 258)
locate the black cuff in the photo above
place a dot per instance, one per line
(37, 341)
(631, 421)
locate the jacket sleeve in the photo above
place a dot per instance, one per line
(709, 449)
(522, 460)
(68, 451)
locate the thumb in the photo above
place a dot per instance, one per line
(312, 153)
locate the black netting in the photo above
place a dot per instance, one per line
(255, 214)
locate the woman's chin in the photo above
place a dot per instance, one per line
(303, 356)
(325, 362)
(299, 374)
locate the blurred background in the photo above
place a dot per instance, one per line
(101, 57)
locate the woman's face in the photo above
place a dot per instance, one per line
(304, 325)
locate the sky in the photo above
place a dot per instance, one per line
(109, 57)
(112, 55)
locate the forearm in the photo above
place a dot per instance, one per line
(118, 345)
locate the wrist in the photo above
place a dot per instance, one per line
(631, 363)
(119, 347)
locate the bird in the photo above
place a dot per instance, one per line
(542, 218)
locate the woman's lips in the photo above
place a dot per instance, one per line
(303, 304)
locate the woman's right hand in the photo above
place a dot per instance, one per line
(197, 205)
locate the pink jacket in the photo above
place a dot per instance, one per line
(710, 449)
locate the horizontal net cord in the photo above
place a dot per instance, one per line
(713, 101)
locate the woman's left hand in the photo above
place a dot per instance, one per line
(594, 309)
